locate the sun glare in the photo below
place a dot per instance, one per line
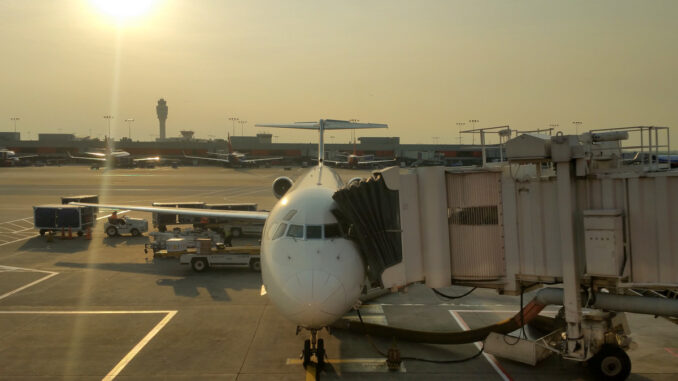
(123, 10)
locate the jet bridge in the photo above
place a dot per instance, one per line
(564, 209)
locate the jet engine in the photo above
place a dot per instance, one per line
(354, 181)
(281, 185)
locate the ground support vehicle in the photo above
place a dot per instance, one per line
(160, 239)
(162, 220)
(126, 225)
(201, 260)
(89, 198)
(58, 217)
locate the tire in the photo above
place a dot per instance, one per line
(306, 354)
(162, 228)
(199, 265)
(610, 363)
(135, 232)
(255, 264)
(320, 354)
(236, 232)
(43, 231)
(80, 233)
(112, 231)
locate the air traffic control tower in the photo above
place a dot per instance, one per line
(161, 109)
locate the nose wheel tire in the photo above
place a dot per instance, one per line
(610, 363)
(306, 354)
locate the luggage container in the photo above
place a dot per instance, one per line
(52, 218)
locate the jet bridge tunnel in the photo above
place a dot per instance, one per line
(564, 209)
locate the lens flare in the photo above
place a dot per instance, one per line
(123, 10)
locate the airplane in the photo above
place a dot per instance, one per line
(115, 156)
(233, 158)
(9, 157)
(354, 160)
(311, 271)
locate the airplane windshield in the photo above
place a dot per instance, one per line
(290, 214)
(332, 231)
(314, 232)
(296, 231)
(279, 231)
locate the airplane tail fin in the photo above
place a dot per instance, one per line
(321, 126)
(228, 141)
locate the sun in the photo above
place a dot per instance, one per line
(123, 10)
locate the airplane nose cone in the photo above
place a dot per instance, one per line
(322, 295)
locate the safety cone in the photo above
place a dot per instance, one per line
(70, 233)
(63, 233)
(88, 234)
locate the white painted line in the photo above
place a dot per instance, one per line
(20, 219)
(132, 353)
(500, 311)
(491, 359)
(30, 284)
(137, 348)
(86, 312)
(35, 235)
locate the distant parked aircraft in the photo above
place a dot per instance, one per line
(233, 158)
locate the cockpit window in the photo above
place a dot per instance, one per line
(290, 214)
(296, 231)
(279, 231)
(314, 232)
(332, 231)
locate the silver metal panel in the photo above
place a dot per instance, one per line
(475, 215)
(653, 223)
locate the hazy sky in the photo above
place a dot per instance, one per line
(420, 66)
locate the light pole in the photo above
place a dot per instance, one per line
(233, 119)
(129, 127)
(576, 126)
(109, 117)
(553, 126)
(460, 125)
(15, 119)
(473, 126)
(242, 124)
(353, 130)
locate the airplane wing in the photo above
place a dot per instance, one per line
(86, 158)
(334, 162)
(260, 160)
(376, 162)
(329, 124)
(232, 214)
(154, 158)
(24, 156)
(207, 158)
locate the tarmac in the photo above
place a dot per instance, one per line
(103, 309)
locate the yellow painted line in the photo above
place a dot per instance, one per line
(310, 372)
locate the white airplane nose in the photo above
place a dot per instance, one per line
(323, 296)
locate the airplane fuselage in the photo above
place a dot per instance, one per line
(312, 273)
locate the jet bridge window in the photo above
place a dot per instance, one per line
(475, 215)
(314, 232)
(296, 231)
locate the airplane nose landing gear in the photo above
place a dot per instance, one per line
(314, 349)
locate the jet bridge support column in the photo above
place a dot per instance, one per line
(561, 150)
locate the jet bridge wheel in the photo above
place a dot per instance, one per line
(610, 363)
